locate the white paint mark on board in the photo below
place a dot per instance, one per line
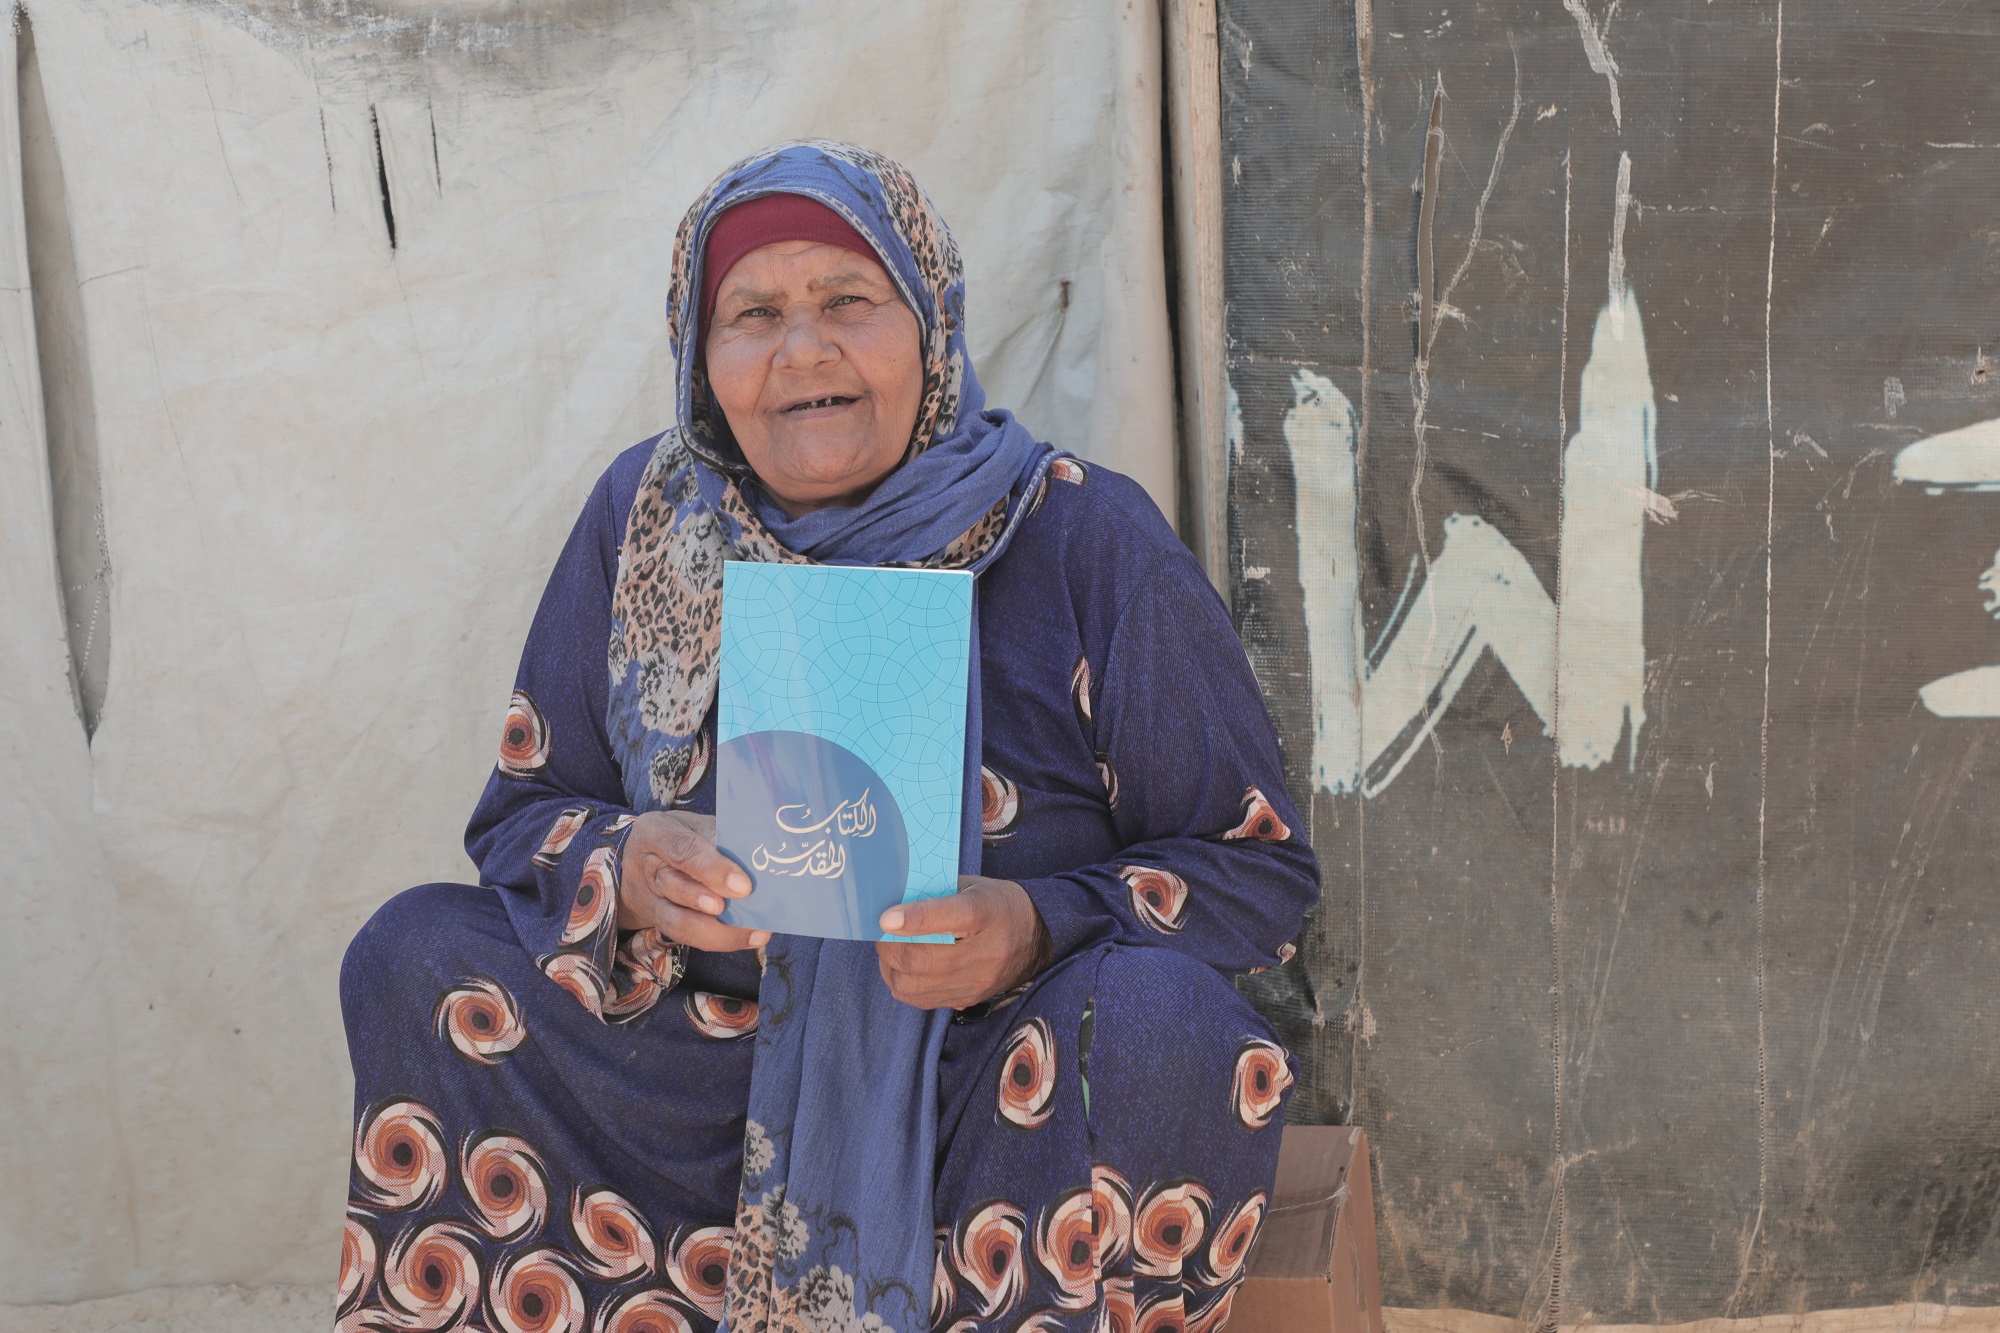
(1966, 460)
(1959, 460)
(1893, 396)
(1609, 470)
(1662, 509)
(1597, 53)
(1232, 430)
(1319, 431)
(1974, 693)
(1479, 593)
(1621, 205)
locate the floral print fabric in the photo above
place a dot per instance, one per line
(497, 1197)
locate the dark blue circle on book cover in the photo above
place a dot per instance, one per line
(818, 831)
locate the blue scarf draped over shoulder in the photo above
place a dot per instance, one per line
(833, 1225)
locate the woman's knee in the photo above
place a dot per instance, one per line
(1172, 1040)
(1155, 993)
(408, 935)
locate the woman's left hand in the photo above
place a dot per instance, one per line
(1001, 943)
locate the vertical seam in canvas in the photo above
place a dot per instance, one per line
(1559, 1206)
(1764, 725)
(1364, 45)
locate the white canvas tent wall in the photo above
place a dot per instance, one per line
(318, 320)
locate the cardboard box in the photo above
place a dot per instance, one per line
(1313, 1268)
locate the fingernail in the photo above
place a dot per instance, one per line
(710, 903)
(759, 938)
(739, 883)
(892, 920)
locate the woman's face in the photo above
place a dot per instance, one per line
(815, 361)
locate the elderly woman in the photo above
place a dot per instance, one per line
(586, 1104)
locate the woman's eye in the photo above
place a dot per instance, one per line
(846, 298)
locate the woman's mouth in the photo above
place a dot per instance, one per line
(814, 404)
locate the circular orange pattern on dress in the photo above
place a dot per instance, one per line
(647, 1312)
(1258, 1087)
(722, 1017)
(480, 1020)
(536, 1293)
(1028, 1076)
(1079, 693)
(507, 1183)
(1159, 897)
(1167, 1227)
(399, 1155)
(999, 806)
(647, 965)
(1230, 1245)
(986, 1252)
(596, 895)
(359, 1249)
(433, 1277)
(1163, 1313)
(1215, 1316)
(1119, 1312)
(632, 994)
(560, 835)
(944, 1292)
(1066, 1249)
(613, 1235)
(1111, 1201)
(699, 1268)
(524, 740)
(1259, 820)
(577, 974)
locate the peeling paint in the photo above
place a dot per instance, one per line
(1597, 53)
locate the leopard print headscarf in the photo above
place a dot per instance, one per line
(692, 512)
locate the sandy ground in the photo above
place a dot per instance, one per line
(310, 1310)
(183, 1310)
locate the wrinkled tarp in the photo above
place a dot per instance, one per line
(1592, 555)
(341, 310)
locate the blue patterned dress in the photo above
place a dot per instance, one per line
(1108, 1138)
(553, 1117)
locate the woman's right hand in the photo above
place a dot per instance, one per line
(674, 880)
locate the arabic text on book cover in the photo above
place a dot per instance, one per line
(841, 741)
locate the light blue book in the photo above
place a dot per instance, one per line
(840, 728)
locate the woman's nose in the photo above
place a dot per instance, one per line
(805, 343)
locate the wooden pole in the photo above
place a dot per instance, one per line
(1194, 143)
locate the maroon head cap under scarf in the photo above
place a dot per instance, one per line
(766, 219)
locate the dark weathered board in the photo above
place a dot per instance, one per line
(1704, 1022)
